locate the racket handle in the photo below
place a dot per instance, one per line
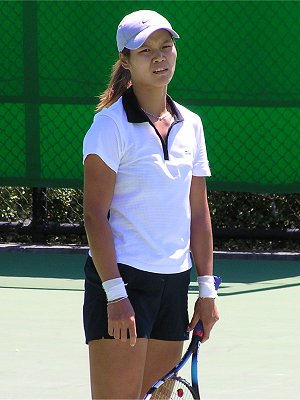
(218, 281)
(199, 330)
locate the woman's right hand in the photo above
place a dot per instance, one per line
(121, 320)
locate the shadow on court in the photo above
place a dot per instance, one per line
(70, 266)
(39, 265)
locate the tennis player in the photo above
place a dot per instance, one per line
(145, 165)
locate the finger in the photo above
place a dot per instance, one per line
(193, 323)
(132, 333)
(206, 334)
(116, 333)
(123, 334)
(205, 338)
(207, 329)
(110, 329)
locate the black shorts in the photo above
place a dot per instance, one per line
(160, 303)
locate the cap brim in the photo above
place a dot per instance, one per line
(140, 38)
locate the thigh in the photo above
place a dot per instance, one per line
(161, 356)
(116, 369)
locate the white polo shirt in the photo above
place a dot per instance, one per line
(150, 211)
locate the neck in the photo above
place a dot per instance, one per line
(152, 100)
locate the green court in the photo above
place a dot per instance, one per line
(253, 352)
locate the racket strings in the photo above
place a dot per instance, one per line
(173, 389)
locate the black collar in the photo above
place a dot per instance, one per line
(134, 112)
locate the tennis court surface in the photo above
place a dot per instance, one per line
(253, 352)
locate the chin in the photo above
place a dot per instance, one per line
(162, 80)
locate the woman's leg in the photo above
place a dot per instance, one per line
(161, 357)
(116, 369)
(119, 371)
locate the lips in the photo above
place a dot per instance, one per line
(160, 70)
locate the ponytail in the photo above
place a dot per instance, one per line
(120, 81)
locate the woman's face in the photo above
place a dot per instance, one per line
(153, 64)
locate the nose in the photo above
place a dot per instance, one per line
(159, 56)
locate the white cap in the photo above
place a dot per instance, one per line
(135, 28)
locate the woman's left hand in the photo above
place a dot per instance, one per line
(206, 310)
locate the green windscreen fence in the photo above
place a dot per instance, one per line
(238, 68)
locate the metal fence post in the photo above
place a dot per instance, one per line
(39, 214)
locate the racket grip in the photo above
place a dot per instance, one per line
(218, 281)
(199, 330)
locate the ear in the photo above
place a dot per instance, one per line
(124, 61)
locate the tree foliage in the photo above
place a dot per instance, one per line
(228, 210)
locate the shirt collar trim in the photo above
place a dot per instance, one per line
(134, 112)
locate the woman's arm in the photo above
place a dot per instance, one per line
(201, 232)
(202, 251)
(99, 183)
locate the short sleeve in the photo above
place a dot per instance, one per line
(103, 139)
(201, 164)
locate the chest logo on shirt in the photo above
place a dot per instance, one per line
(187, 151)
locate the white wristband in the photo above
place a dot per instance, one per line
(114, 289)
(207, 287)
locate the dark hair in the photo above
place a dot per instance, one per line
(120, 80)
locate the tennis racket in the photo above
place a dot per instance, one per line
(172, 386)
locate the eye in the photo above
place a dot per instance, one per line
(145, 50)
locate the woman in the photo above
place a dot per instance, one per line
(145, 164)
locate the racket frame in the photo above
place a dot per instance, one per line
(191, 350)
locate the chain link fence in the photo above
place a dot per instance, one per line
(238, 67)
